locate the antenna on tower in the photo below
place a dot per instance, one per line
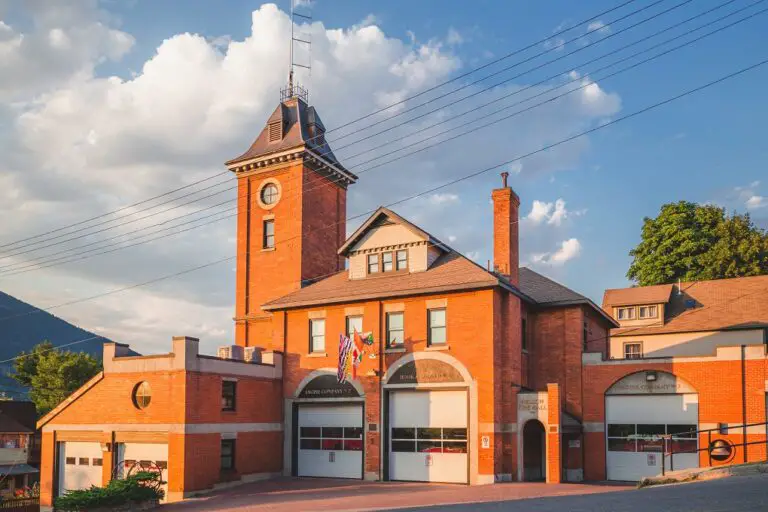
(294, 89)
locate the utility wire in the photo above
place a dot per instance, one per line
(430, 190)
(29, 266)
(400, 102)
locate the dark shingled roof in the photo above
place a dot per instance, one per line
(546, 291)
(8, 424)
(300, 124)
(717, 305)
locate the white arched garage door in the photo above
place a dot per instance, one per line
(639, 409)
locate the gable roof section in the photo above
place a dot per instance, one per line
(658, 294)
(378, 216)
(718, 305)
(71, 398)
(450, 272)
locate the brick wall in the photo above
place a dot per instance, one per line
(718, 384)
(180, 399)
(556, 353)
(310, 225)
(470, 335)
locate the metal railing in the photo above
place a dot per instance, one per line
(711, 447)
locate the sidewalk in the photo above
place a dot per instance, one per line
(304, 494)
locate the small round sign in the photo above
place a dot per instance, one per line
(721, 450)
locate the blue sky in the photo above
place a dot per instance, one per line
(710, 147)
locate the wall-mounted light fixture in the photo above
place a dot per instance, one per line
(650, 376)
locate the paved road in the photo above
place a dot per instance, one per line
(742, 494)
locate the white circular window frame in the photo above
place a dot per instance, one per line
(269, 181)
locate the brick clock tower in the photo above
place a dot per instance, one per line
(291, 203)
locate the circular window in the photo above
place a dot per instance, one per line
(269, 194)
(142, 395)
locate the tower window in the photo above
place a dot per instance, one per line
(269, 234)
(275, 131)
(269, 194)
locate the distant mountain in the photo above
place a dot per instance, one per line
(22, 326)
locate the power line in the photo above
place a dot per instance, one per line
(589, 45)
(57, 261)
(400, 102)
(484, 66)
(431, 190)
(123, 208)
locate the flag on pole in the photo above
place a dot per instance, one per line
(366, 338)
(345, 358)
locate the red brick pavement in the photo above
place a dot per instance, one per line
(299, 495)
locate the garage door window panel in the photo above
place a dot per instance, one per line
(331, 438)
(683, 438)
(650, 437)
(622, 438)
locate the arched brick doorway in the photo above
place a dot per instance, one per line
(534, 451)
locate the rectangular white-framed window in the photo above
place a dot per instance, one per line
(436, 324)
(395, 329)
(402, 260)
(387, 264)
(317, 335)
(373, 263)
(633, 350)
(647, 312)
(354, 323)
(626, 313)
(269, 234)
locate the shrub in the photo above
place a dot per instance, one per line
(139, 488)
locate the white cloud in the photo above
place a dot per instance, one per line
(553, 214)
(75, 144)
(443, 198)
(557, 44)
(749, 196)
(755, 202)
(569, 249)
(454, 37)
(598, 27)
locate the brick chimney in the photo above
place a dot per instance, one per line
(506, 245)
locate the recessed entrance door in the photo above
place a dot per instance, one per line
(534, 451)
(330, 441)
(428, 436)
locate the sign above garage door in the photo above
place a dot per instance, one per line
(327, 386)
(650, 383)
(423, 371)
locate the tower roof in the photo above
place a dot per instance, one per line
(299, 125)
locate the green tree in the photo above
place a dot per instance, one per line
(53, 375)
(692, 242)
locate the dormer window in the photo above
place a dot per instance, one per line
(402, 260)
(386, 262)
(373, 263)
(275, 131)
(647, 312)
(625, 313)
